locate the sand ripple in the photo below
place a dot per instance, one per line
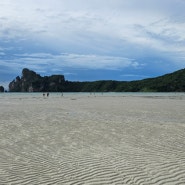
(92, 141)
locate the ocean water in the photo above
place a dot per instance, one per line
(180, 95)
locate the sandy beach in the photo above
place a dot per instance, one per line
(92, 140)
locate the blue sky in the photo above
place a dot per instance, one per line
(90, 40)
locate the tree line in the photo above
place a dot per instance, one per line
(30, 81)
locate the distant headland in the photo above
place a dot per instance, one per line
(1, 89)
(30, 81)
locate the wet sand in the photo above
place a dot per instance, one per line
(92, 140)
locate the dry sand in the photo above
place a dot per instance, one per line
(92, 140)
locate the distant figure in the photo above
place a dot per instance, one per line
(47, 94)
(43, 94)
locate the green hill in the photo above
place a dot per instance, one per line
(32, 82)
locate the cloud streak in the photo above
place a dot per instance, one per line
(66, 60)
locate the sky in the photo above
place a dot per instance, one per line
(88, 40)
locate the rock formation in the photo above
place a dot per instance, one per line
(1, 89)
(30, 81)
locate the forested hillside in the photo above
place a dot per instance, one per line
(30, 81)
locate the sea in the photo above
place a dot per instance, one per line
(179, 95)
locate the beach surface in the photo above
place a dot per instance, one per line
(91, 139)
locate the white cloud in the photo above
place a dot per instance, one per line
(59, 18)
(97, 62)
(66, 20)
(135, 76)
(2, 53)
(75, 61)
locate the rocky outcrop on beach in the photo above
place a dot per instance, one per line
(30, 81)
(1, 89)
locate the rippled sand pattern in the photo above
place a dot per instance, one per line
(92, 140)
